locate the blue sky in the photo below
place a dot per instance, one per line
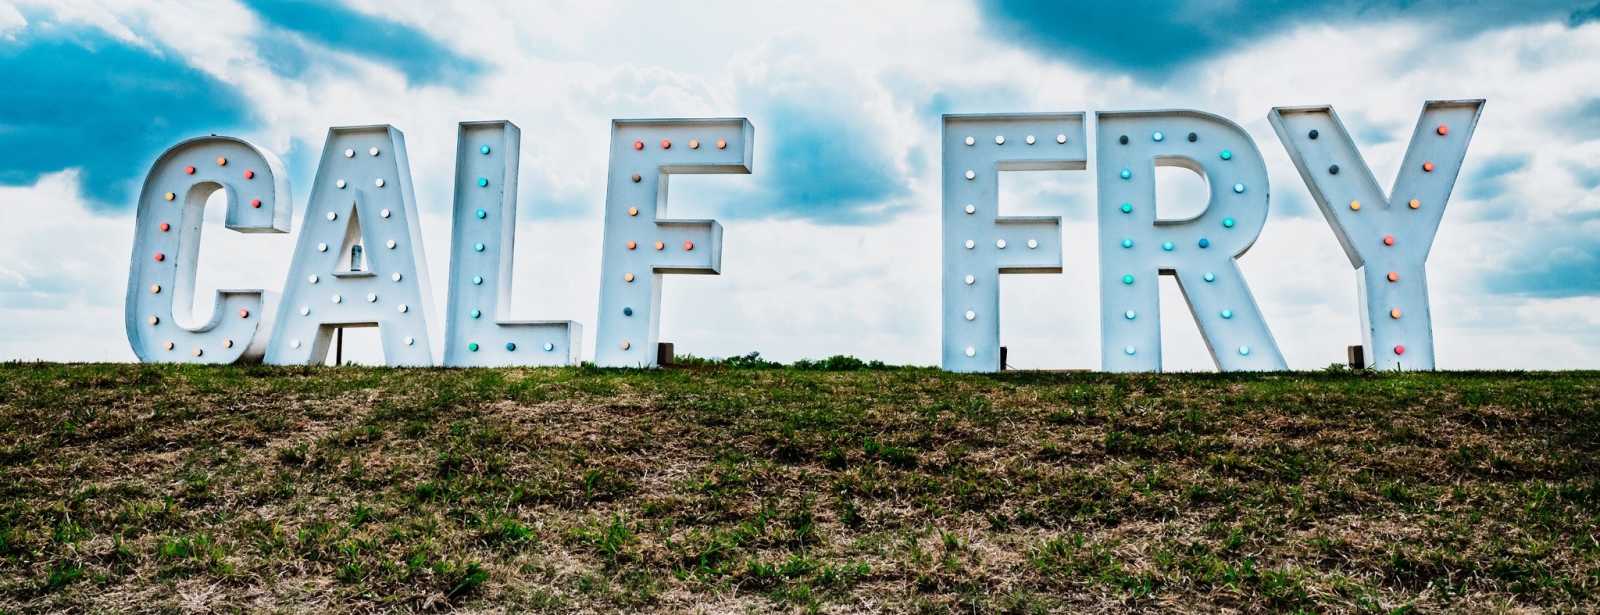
(831, 240)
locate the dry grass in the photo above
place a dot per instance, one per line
(739, 489)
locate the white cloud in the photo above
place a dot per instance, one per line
(792, 288)
(11, 20)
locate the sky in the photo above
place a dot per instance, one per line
(830, 245)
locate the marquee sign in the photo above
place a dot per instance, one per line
(359, 262)
(481, 244)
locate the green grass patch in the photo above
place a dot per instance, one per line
(824, 486)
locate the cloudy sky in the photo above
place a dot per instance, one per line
(831, 245)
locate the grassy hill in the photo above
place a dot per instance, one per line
(748, 487)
